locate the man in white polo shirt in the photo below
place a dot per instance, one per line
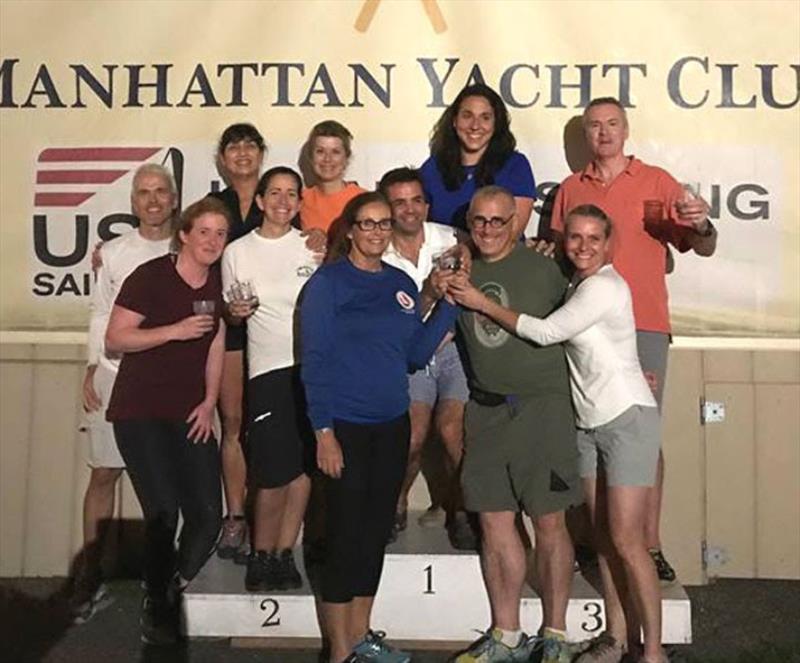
(153, 201)
(440, 388)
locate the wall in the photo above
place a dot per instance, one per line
(735, 484)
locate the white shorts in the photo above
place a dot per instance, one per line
(102, 448)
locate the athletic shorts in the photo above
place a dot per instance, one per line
(521, 455)
(442, 379)
(652, 349)
(281, 443)
(626, 448)
(102, 448)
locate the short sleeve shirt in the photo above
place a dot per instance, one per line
(167, 381)
(500, 362)
(450, 207)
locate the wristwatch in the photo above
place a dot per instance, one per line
(708, 231)
(322, 431)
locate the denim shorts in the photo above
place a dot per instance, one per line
(442, 379)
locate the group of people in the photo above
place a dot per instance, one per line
(339, 326)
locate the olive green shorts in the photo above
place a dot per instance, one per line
(521, 455)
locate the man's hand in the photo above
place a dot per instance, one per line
(316, 242)
(693, 212)
(91, 400)
(97, 257)
(541, 246)
(329, 453)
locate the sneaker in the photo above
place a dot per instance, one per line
(232, 538)
(373, 649)
(665, 571)
(490, 649)
(287, 575)
(399, 525)
(554, 650)
(602, 649)
(434, 516)
(462, 535)
(262, 572)
(84, 605)
(158, 621)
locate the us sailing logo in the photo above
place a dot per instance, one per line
(77, 189)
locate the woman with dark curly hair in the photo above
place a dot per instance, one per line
(472, 146)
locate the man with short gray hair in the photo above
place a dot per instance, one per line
(520, 450)
(153, 202)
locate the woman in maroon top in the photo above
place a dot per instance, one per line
(166, 322)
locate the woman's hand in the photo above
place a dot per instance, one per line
(240, 309)
(201, 420)
(466, 294)
(192, 327)
(329, 453)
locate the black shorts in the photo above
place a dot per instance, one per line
(281, 443)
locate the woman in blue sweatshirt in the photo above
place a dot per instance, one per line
(361, 333)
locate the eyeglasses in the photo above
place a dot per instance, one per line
(495, 222)
(371, 224)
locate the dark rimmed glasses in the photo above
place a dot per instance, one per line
(479, 221)
(371, 224)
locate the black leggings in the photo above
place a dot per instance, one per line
(360, 506)
(170, 473)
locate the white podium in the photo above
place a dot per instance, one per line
(429, 592)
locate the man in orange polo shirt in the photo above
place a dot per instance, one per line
(650, 210)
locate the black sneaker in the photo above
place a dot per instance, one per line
(288, 577)
(665, 571)
(158, 621)
(261, 573)
(585, 558)
(461, 533)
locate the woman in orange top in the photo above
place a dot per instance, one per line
(325, 157)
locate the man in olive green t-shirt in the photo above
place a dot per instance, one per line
(520, 444)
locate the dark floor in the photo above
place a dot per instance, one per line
(734, 621)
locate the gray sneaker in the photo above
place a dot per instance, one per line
(84, 606)
(232, 537)
(490, 649)
(602, 649)
(434, 516)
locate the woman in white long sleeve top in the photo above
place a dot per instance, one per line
(619, 433)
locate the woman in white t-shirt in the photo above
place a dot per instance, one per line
(618, 426)
(263, 274)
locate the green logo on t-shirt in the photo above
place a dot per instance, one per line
(487, 331)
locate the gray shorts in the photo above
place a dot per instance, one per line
(521, 455)
(652, 349)
(442, 379)
(626, 448)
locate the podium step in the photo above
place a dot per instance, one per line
(428, 592)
